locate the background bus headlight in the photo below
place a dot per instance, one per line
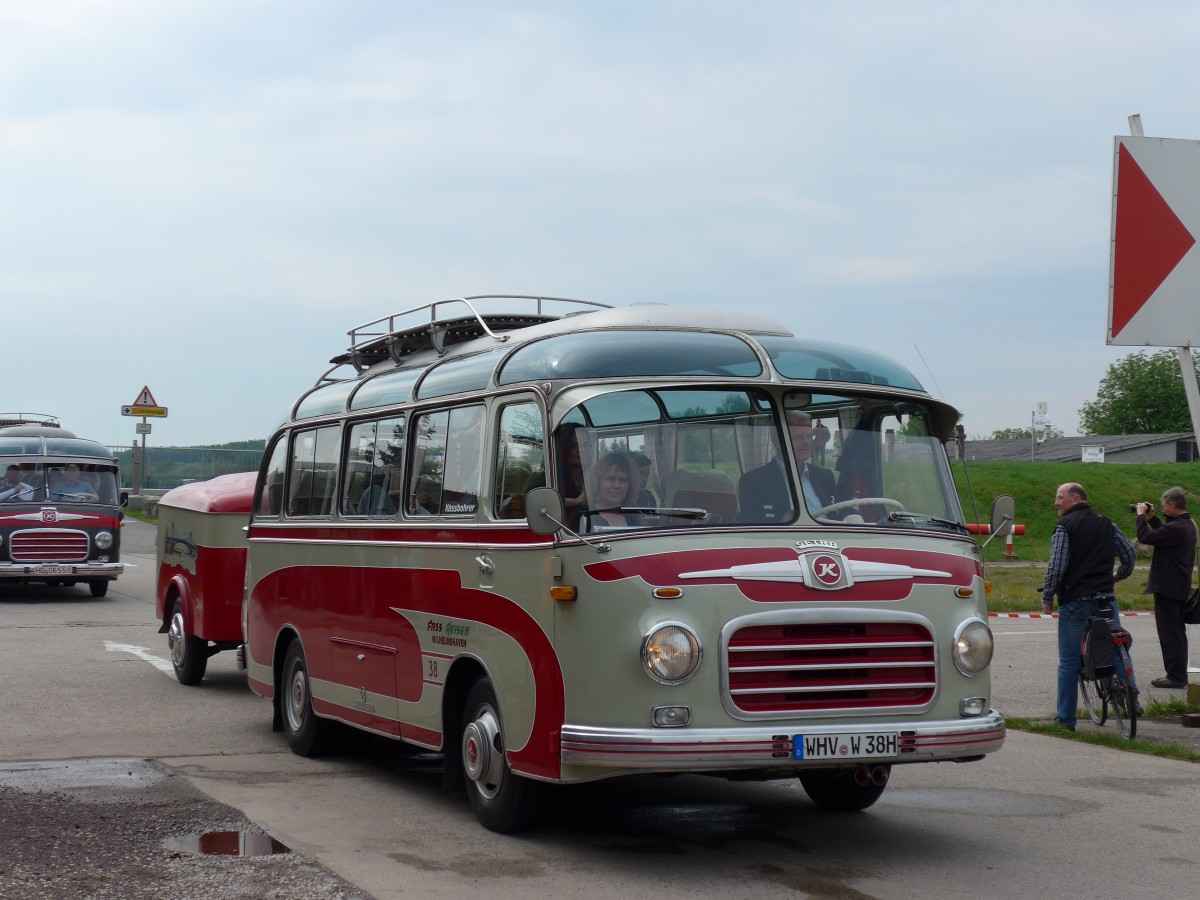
(671, 652)
(103, 540)
(972, 647)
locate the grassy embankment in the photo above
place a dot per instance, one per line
(1111, 488)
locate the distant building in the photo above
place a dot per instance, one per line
(1118, 448)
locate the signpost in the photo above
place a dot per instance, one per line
(145, 406)
(1154, 264)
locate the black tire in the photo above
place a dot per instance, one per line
(842, 791)
(306, 732)
(98, 587)
(1124, 705)
(1096, 708)
(189, 654)
(503, 802)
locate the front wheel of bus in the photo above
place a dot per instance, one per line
(98, 588)
(846, 791)
(502, 801)
(189, 656)
(306, 732)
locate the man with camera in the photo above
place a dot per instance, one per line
(1170, 581)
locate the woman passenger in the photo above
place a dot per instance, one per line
(617, 486)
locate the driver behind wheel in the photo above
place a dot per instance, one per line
(764, 496)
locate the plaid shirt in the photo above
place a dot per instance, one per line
(1059, 556)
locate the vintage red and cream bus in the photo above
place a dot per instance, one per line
(561, 542)
(60, 506)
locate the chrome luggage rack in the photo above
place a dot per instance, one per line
(420, 328)
(7, 419)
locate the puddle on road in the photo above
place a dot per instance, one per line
(227, 843)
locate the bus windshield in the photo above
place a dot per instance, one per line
(59, 482)
(675, 457)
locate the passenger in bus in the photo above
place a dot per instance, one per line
(645, 497)
(572, 444)
(72, 486)
(381, 498)
(15, 487)
(763, 494)
(616, 480)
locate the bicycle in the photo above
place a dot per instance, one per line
(1106, 679)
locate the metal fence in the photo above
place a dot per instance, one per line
(168, 467)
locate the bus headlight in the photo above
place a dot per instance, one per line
(103, 540)
(671, 652)
(972, 647)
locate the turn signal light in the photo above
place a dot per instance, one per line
(964, 592)
(563, 592)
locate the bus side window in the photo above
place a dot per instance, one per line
(447, 462)
(270, 501)
(520, 458)
(313, 482)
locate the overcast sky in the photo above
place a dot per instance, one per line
(203, 197)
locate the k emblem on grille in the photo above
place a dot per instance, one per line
(49, 516)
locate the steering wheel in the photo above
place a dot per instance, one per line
(857, 501)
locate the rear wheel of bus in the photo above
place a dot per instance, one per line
(846, 791)
(502, 801)
(189, 654)
(307, 733)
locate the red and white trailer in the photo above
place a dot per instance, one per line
(201, 567)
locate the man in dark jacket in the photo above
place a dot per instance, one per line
(1080, 571)
(1170, 581)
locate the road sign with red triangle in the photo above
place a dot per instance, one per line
(1154, 277)
(145, 398)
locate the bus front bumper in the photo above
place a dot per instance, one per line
(40, 571)
(816, 746)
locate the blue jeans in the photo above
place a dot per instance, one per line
(1072, 622)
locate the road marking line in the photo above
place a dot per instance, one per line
(142, 653)
(1000, 615)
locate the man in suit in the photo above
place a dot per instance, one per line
(764, 496)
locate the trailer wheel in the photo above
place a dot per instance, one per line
(189, 655)
(502, 801)
(846, 791)
(99, 587)
(307, 733)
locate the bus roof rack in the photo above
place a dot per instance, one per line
(428, 327)
(11, 419)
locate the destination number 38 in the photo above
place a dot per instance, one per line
(845, 746)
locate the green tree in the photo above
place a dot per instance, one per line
(1141, 394)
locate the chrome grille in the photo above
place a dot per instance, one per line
(48, 545)
(791, 668)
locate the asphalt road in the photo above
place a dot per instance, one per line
(86, 686)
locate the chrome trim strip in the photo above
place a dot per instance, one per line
(23, 570)
(687, 749)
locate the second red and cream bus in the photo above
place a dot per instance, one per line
(561, 542)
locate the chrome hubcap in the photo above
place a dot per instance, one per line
(483, 752)
(175, 642)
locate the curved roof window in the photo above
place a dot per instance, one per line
(327, 399)
(470, 373)
(821, 361)
(649, 354)
(385, 390)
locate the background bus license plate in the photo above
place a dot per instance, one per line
(52, 570)
(845, 746)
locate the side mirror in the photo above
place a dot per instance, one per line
(1004, 510)
(544, 510)
(124, 499)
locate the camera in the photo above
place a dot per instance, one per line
(1133, 506)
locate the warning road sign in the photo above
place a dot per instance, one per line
(158, 412)
(1154, 267)
(145, 398)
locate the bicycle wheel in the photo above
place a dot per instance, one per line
(1124, 707)
(1093, 701)
(1125, 701)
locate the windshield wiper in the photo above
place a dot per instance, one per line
(919, 517)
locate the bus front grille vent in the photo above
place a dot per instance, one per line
(829, 666)
(48, 545)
